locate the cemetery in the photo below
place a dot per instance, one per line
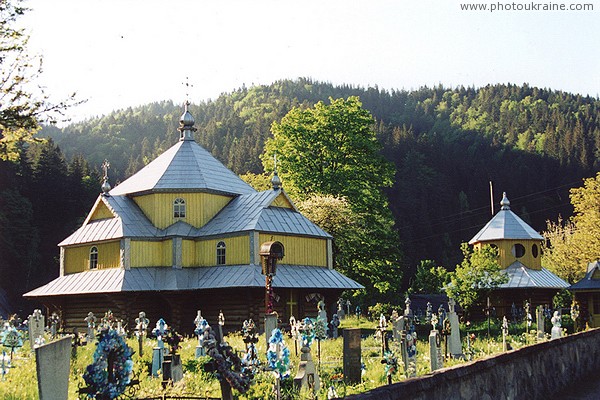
(300, 359)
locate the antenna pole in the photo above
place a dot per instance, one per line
(492, 196)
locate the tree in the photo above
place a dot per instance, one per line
(476, 276)
(332, 150)
(21, 108)
(572, 244)
(429, 278)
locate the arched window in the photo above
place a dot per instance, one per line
(94, 258)
(179, 208)
(221, 253)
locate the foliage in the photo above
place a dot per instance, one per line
(477, 275)
(429, 278)
(21, 104)
(572, 244)
(329, 155)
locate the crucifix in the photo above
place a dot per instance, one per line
(188, 85)
(291, 303)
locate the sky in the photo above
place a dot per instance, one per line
(121, 53)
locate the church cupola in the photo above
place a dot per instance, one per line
(186, 125)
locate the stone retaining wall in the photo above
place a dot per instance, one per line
(534, 372)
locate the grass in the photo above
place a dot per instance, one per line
(20, 383)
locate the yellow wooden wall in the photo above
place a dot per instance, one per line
(300, 250)
(200, 207)
(151, 254)
(507, 258)
(281, 201)
(189, 253)
(101, 212)
(76, 259)
(237, 251)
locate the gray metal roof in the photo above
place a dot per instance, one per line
(253, 212)
(244, 213)
(588, 282)
(184, 167)
(521, 277)
(129, 221)
(505, 225)
(164, 278)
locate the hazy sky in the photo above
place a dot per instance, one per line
(119, 53)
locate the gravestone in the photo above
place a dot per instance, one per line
(436, 356)
(270, 325)
(454, 343)
(340, 308)
(428, 312)
(321, 310)
(201, 326)
(141, 325)
(52, 362)
(335, 323)
(36, 327)
(54, 324)
(158, 352)
(172, 369)
(504, 333)
(352, 359)
(556, 332)
(91, 327)
(539, 315)
(307, 376)
(397, 326)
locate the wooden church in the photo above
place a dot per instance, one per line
(184, 234)
(519, 252)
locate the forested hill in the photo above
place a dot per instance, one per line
(447, 144)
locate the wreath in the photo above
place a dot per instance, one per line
(110, 373)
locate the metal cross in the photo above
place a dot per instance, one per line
(188, 85)
(105, 168)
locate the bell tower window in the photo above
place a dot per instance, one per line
(518, 250)
(221, 253)
(94, 258)
(179, 208)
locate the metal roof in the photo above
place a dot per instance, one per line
(244, 213)
(129, 221)
(506, 225)
(165, 278)
(254, 212)
(186, 166)
(589, 282)
(521, 277)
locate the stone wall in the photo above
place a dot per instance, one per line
(534, 372)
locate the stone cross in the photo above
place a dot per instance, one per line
(201, 326)
(441, 313)
(504, 333)
(322, 313)
(556, 326)
(539, 315)
(158, 352)
(54, 323)
(141, 325)
(36, 326)
(429, 311)
(348, 304)
(221, 324)
(91, 326)
(407, 311)
(340, 308)
(335, 323)
(455, 344)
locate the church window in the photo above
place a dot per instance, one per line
(518, 250)
(534, 250)
(179, 208)
(221, 253)
(94, 258)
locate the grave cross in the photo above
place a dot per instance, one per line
(504, 333)
(383, 333)
(141, 325)
(294, 332)
(91, 326)
(348, 304)
(221, 324)
(291, 303)
(201, 327)
(54, 322)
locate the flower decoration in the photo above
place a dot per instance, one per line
(278, 355)
(307, 332)
(320, 329)
(110, 372)
(172, 338)
(391, 363)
